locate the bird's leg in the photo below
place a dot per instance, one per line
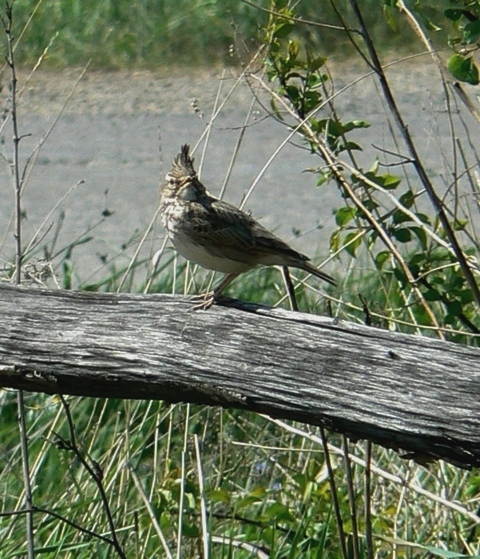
(227, 280)
(206, 300)
(290, 288)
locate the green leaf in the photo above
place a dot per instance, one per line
(374, 168)
(311, 100)
(390, 182)
(279, 513)
(453, 14)
(370, 204)
(407, 199)
(292, 75)
(424, 218)
(165, 520)
(283, 30)
(319, 126)
(335, 241)
(424, 19)
(403, 235)
(354, 124)
(453, 42)
(351, 146)
(315, 81)
(325, 176)
(420, 234)
(293, 93)
(430, 25)
(400, 276)
(463, 69)
(450, 319)
(351, 242)
(381, 258)
(190, 530)
(460, 224)
(466, 296)
(301, 480)
(437, 552)
(292, 51)
(455, 308)
(317, 63)
(345, 215)
(219, 496)
(275, 109)
(257, 495)
(389, 13)
(432, 295)
(334, 127)
(400, 217)
(471, 33)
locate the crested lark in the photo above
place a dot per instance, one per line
(217, 235)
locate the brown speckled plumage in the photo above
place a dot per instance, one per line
(217, 235)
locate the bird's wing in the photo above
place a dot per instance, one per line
(219, 225)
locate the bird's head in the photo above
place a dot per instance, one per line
(182, 180)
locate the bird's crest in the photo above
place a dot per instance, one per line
(183, 164)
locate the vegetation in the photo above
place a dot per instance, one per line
(145, 479)
(164, 32)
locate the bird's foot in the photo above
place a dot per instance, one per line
(203, 301)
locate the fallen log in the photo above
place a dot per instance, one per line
(415, 394)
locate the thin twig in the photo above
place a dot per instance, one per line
(298, 19)
(334, 492)
(368, 500)
(94, 470)
(139, 247)
(335, 165)
(16, 141)
(58, 517)
(210, 124)
(32, 158)
(183, 481)
(7, 24)
(36, 240)
(351, 497)
(394, 478)
(203, 504)
(26, 474)
(73, 524)
(237, 148)
(151, 512)
(434, 198)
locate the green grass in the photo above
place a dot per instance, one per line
(125, 34)
(262, 485)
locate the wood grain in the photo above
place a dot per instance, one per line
(406, 392)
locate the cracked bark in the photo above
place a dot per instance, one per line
(414, 394)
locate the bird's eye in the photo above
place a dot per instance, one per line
(170, 179)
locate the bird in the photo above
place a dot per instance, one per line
(218, 235)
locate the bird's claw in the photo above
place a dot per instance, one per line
(203, 301)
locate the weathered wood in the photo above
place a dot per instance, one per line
(402, 391)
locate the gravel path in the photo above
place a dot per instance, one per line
(120, 131)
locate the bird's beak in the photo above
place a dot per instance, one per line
(186, 180)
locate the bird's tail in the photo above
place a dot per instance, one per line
(310, 268)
